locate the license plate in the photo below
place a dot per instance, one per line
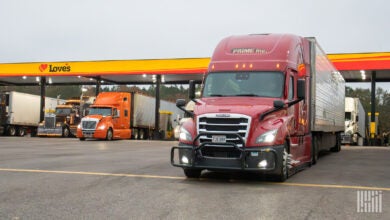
(219, 139)
(88, 135)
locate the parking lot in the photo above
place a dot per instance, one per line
(64, 178)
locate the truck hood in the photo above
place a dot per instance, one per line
(251, 106)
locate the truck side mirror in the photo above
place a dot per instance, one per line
(301, 89)
(191, 90)
(180, 103)
(278, 104)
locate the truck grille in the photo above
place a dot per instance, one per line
(50, 122)
(227, 124)
(88, 125)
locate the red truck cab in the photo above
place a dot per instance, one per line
(253, 114)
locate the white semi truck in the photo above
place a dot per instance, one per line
(355, 122)
(20, 112)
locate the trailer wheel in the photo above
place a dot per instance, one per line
(11, 130)
(65, 132)
(192, 173)
(109, 134)
(21, 132)
(135, 134)
(142, 134)
(314, 150)
(337, 147)
(283, 175)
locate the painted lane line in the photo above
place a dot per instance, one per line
(92, 173)
(183, 178)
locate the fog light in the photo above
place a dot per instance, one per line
(263, 164)
(184, 159)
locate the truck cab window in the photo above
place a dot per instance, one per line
(256, 84)
(115, 113)
(291, 89)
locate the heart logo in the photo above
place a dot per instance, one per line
(42, 67)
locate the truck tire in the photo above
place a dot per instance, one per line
(136, 134)
(65, 132)
(21, 132)
(142, 134)
(283, 175)
(337, 147)
(11, 130)
(109, 135)
(314, 151)
(192, 173)
(82, 139)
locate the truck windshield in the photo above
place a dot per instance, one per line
(100, 111)
(261, 84)
(63, 111)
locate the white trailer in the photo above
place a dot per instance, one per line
(143, 108)
(21, 111)
(355, 118)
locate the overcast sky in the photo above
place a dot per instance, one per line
(81, 30)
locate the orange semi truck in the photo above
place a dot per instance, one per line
(122, 115)
(269, 104)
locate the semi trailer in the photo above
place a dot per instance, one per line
(20, 112)
(269, 104)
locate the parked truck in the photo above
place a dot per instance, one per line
(355, 122)
(122, 115)
(20, 112)
(64, 121)
(269, 104)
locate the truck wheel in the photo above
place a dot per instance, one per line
(192, 173)
(337, 147)
(283, 175)
(109, 134)
(314, 151)
(82, 139)
(21, 131)
(135, 132)
(65, 132)
(11, 131)
(142, 134)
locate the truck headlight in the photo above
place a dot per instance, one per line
(267, 137)
(184, 135)
(102, 127)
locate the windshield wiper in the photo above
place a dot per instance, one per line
(248, 94)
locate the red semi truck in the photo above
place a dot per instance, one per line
(269, 104)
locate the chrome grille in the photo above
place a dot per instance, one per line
(50, 122)
(88, 125)
(226, 124)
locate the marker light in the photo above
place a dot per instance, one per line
(243, 65)
(236, 66)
